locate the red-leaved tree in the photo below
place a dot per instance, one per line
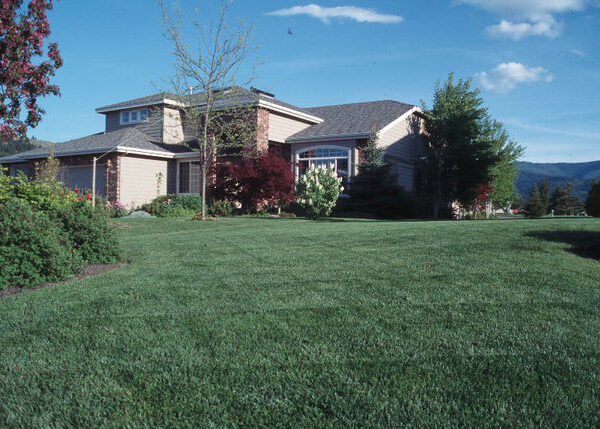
(266, 180)
(26, 65)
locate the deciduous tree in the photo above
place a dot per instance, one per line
(27, 62)
(465, 147)
(214, 115)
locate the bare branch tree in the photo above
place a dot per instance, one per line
(214, 113)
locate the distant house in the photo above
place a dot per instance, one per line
(144, 154)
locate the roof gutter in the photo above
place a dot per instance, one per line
(120, 149)
(328, 138)
(107, 109)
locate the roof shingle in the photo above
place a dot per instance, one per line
(354, 118)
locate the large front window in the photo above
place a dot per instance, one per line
(335, 158)
(189, 177)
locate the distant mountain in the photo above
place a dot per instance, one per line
(580, 174)
(10, 147)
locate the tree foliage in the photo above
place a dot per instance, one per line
(563, 202)
(213, 113)
(534, 207)
(27, 63)
(263, 181)
(592, 203)
(545, 196)
(465, 148)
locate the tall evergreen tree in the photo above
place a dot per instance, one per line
(534, 207)
(375, 189)
(592, 204)
(563, 202)
(545, 195)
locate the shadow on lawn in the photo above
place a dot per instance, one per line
(583, 243)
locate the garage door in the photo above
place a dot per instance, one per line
(81, 177)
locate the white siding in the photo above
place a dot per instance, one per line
(404, 142)
(139, 178)
(281, 127)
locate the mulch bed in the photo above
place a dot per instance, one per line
(89, 271)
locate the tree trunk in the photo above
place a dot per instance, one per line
(203, 191)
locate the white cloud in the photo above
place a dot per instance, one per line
(506, 76)
(523, 18)
(325, 14)
(578, 53)
(517, 31)
(532, 10)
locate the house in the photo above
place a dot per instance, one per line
(140, 152)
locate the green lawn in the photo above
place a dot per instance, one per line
(264, 322)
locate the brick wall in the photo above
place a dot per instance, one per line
(262, 137)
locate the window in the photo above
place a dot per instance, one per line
(189, 177)
(134, 116)
(336, 158)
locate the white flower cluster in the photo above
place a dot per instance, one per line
(319, 190)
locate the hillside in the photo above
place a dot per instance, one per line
(10, 147)
(580, 174)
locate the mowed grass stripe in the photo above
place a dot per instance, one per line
(264, 322)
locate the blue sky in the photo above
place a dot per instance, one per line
(537, 61)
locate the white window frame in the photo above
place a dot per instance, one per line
(297, 158)
(138, 113)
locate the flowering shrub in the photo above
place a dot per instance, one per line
(117, 209)
(318, 191)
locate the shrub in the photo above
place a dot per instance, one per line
(116, 209)
(33, 248)
(221, 208)
(318, 191)
(154, 207)
(90, 232)
(592, 204)
(46, 195)
(172, 205)
(257, 183)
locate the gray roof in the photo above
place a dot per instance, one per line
(130, 137)
(233, 96)
(149, 99)
(355, 118)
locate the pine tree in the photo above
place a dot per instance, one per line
(375, 189)
(545, 196)
(534, 207)
(592, 204)
(564, 202)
